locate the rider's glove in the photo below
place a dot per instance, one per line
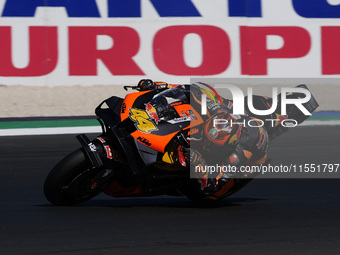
(192, 156)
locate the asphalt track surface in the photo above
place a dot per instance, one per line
(269, 216)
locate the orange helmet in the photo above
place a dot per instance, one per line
(221, 129)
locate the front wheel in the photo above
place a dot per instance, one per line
(69, 182)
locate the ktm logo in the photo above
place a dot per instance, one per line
(144, 140)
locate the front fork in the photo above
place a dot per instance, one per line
(103, 159)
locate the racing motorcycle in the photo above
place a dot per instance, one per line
(140, 150)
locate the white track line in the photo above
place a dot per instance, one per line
(49, 131)
(320, 123)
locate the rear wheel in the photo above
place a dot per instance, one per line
(69, 182)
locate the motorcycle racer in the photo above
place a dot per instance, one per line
(228, 145)
(165, 138)
(223, 138)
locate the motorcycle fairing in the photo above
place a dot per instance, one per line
(155, 138)
(139, 154)
(110, 115)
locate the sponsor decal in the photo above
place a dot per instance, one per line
(189, 113)
(230, 104)
(152, 112)
(101, 139)
(144, 140)
(108, 151)
(123, 108)
(92, 147)
(178, 120)
(94, 185)
(210, 41)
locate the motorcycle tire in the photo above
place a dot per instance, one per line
(68, 183)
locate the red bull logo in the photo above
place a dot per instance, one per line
(152, 112)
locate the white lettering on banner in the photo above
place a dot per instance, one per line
(112, 42)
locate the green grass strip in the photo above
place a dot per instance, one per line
(48, 123)
(324, 118)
